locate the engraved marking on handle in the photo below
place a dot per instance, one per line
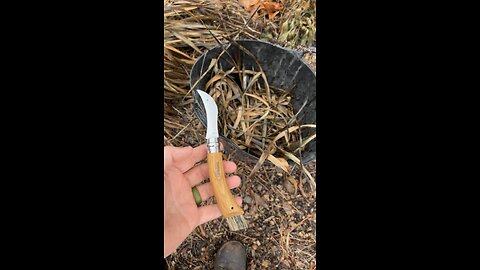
(217, 169)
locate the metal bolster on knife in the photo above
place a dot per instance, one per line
(213, 145)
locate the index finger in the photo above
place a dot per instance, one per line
(211, 212)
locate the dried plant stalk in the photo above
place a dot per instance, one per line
(191, 28)
(255, 116)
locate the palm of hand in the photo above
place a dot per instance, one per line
(181, 214)
(179, 205)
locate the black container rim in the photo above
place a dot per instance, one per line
(241, 41)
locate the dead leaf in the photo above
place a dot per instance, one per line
(259, 200)
(272, 8)
(292, 180)
(279, 162)
(289, 186)
(249, 5)
(266, 6)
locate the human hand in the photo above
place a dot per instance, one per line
(181, 213)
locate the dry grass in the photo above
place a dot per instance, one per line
(294, 26)
(256, 116)
(298, 23)
(191, 28)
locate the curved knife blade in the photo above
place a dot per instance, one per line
(212, 114)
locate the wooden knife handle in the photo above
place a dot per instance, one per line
(227, 204)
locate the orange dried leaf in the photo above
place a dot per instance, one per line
(249, 5)
(272, 8)
(272, 15)
(266, 6)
